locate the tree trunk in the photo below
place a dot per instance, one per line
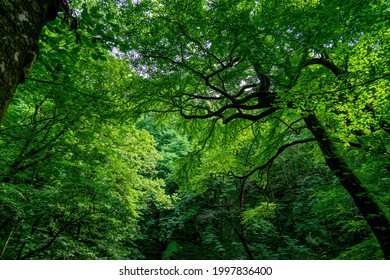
(372, 213)
(21, 22)
(242, 238)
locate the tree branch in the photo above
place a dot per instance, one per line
(51, 241)
(250, 117)
(275, 156)
(326, 63)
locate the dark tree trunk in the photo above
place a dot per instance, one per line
(370, 210)
(242, 238)
(21, 22)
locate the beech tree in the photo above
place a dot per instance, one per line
(21, 24)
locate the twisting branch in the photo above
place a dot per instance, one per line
(328, 64)
(275, 156)
(323, 60)
(238, 107)
(207, 138)
(181, 27)
(206, 78)
(243, 89)
(54, 237)
(250, 117)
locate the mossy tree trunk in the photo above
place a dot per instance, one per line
(21, 22)
(372, 213)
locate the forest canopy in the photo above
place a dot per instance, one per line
(219, 129)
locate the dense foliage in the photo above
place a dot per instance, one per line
(220, 129)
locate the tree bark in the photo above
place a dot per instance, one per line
(372, 213)
(21, 23)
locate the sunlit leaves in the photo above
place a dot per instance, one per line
(73, 173)
(263, 211)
